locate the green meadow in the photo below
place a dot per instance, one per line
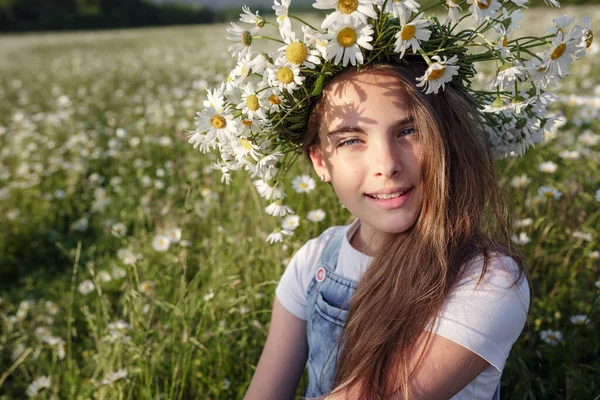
(129, 271)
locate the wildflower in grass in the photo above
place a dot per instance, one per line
(267, 191)
(118, 230)
(127, 256)
(579, 319)
(17, 352)
(520, 181)
(548, 167)
(119, 325)
(209, 296)
(303, 184)
(316, 215)
(278, 210)
(583, 235)
(594, 255)
(522, 239)
(551, 337)
(112, 377)
(86, 287)
(277, 236)
(569, 154)
(345, 41)
(174, 234)
(43, 382)
(147, 287)
(412, 34)
(59, 194)
(80, 225)
(597, 284)
(161, 243)
(290, 222)
(104, 276)
(523, 223)
(589, 138)
(438, 74)
(257, 324)
(597, 197)
(549, 193)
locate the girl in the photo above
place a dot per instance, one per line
(415, 299)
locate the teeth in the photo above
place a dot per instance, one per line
(387, 196)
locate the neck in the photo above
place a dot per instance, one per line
(363, 241)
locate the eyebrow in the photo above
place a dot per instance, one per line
(349, 128)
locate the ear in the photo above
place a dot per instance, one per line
(318, 162)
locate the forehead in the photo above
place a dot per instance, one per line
(363, 99)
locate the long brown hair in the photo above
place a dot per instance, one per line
(461, 216)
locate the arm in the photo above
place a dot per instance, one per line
(446, 367)
(283, 358)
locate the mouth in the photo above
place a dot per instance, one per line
(388, 195)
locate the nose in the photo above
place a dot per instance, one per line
(386, 158)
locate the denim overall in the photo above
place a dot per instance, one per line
(328, 302)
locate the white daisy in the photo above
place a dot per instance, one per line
(563, 50)
(277, 236)
(452, 8)
(146, 287)
(174, 234)
(112, 377)
(215, 98)
(522, 239)
(316, 215)
(402, 8)
(284, 76)
(484, 9)
(290, 222)
(212, 124)
(43, 382)
(298, 53)
(303, 184)
(86, 287)
(277, 209)
(104, 276)
(316, 39)
(243, 38)
(209, 296)
(597, 197)
(344, 41)
(560, 24)
(579, 319)
(549, 193)
(438, 74)
(347, 12)
(243, 147)
(508, 74)
(267, 191)
(274, 101)
(252, 102)
(520, 181)
(540, 75)
(523, 223)
(548, 167)
(412, 34)
(553, 3)
(161, 243)
(281, 9)
(118, 272)
(249, 18)
(118, 230)
(551, 337)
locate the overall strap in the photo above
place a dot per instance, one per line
(330, 255)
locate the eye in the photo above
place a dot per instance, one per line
(407, 131)
(348, 142)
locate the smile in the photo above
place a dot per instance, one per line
(387, 196)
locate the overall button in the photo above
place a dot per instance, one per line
(320, 275)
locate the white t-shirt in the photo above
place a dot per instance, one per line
(486, 318)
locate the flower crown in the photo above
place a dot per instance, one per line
(258, 117)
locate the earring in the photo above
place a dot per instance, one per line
(322, 177)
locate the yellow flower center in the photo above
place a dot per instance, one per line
(285, 75)
(504, 41)
(346, 37)
(252, 102)
(246, 122)
(348, 6)
(246, 38)
(218, 121)
(484, 6)
(296, 53)
(558, 51)
(436, 74)
(274, 99)
(302, 185)
(549, 194)
(589, 39)
(246, 144)
(408, 32)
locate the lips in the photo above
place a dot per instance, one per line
(390, 199)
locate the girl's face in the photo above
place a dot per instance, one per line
(369, 150)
